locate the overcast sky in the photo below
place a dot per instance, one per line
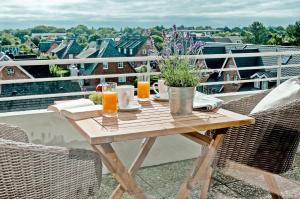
(145, 13)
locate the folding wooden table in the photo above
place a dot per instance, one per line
(152, 121)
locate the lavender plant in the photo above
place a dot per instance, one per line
(175, 69)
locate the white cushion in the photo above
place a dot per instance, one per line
(284, 93)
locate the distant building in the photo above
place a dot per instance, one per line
(136, 47)
(229, 39)
(11, 50)
(12, 72)
(104, 48)
(47, 46)
(49, 35)
(235, 63)
(67, 49)
(30, 44)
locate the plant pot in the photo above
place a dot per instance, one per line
(181, 100)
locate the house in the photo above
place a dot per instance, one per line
(229, 39)
(136, 46)
(30, 88)
(49, 35)
(67, 49)
(30, 44)
(104, 48)
(235, 39)
(12, 72)
(222, 39)
(12, 50)
(47, 46)
(219, 48)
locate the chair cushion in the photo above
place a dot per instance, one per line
(284, 93)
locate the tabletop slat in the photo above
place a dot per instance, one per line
(155, 119)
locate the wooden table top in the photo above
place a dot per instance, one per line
(154, 119)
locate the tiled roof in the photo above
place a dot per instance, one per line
(66, 48)
(103, 48)
(247, 62)
(222, 39)
(44, 46)
(131, 43)
(214, 63)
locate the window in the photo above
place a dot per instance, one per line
(105, 65)
(120, 65)
(122, 79)
(102, 80)
(144, 51)
(71, 56)
(286, 59)
(10, 71)
(264, 85)
(144, 62)
(228, 77)
(82, 66)
(119, 49)
(130, 51)
(257, 85)
(236, 78)
(125, 51)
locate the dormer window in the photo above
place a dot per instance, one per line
(120, 65)
(130, 51)
(125, 51)
(105, 65)
(10, 71)
(286, 59)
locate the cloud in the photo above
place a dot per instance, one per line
(144, 12)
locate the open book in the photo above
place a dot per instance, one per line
(77, 109)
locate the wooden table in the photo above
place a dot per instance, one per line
(152, 121)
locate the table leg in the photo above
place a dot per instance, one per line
(118, 170)
(206, 183)
(201, 166)
(145, 148)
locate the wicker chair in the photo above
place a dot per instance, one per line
(36, 171)
(270, 144)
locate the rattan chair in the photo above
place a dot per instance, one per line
(270, 144)
(37, 171)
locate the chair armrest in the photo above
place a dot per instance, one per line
(246, 104)
(36, 171)
(276, 133)
(13, 133)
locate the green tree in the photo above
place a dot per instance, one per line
(276, 39)
(6, 41)
(293, 31)
(258, 33)
(82, 40)
(36, 40)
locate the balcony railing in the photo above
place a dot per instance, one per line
(278, 67)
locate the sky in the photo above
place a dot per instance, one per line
(146, 13)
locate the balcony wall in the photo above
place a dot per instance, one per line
(50, 128)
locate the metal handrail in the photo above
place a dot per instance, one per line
(148, 59)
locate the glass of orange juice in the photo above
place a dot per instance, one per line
(109, 99)
(143, 87)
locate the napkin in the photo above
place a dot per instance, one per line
(204, 102)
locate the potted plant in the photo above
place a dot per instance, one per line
(182, 79)
(181, 74)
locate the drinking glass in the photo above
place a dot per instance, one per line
(109, 99)
(143, 90)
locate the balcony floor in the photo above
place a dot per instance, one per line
(162, 182)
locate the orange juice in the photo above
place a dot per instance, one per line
(143, 89)
(110, 102)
